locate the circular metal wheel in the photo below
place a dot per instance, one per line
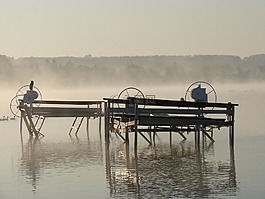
(210, 91)
(131, 92)
(114, 96)
(114, 105)
(14, 103)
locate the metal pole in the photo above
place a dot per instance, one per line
(233, 126)
(107, 112)
(127, 136)
(79, 125)
(72, 126)
(100, 106)
(21, 117)
(170, 137)
(135, 124)
(87, 126)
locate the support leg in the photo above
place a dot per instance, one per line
(79, 125)
(72, 126)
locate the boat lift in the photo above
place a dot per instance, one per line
(198, 112)
(33, 110)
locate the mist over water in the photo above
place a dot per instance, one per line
(90, 72)
(249, 96)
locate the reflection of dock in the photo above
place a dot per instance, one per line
(182, 170)
(40, 158)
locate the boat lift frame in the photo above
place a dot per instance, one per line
(56, 109)
(159, 115)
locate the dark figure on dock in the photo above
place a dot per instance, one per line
(31, 85)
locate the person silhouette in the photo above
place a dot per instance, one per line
(31, 85)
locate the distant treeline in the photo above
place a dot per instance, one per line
(137, 70)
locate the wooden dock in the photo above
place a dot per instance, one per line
(132, 112)
(141, 115)
(42, 109)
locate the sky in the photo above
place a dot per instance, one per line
(53, 28)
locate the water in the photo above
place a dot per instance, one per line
(60, 166)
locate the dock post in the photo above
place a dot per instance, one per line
(154, 136)
(231, 119)
(137, 171)
(21, 117)
(107, 112)
(199, 139)
(127, 135)
(232, 172)
(135, 124)
(87, 124)
(127, 147)
(170, 134)
(150, 133)
(197, 136)
(233, 126)
(73, 124)
(108, 164)
(99, 125)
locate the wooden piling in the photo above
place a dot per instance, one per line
(135, 125)
(107, 120)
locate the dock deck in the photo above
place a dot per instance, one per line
(146, 115)
(43, 109)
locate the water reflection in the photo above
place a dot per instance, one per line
(41, 158)
(166, 170)
(169, 170)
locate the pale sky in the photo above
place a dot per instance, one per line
(51, 28)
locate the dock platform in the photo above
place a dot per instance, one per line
(158, 115)
(42, 109)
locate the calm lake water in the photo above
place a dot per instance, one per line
(60, 166)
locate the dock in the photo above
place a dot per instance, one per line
(136, 113)
(140, 115)
(42, 109)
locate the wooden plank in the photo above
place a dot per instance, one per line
(168, 129)
(180, 121)
(66, 112)
(67, 102)
(173, 103)
(63, 109)
(169, 111)
(178, 103)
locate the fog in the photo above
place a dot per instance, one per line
(235, 79)
(90, 72)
